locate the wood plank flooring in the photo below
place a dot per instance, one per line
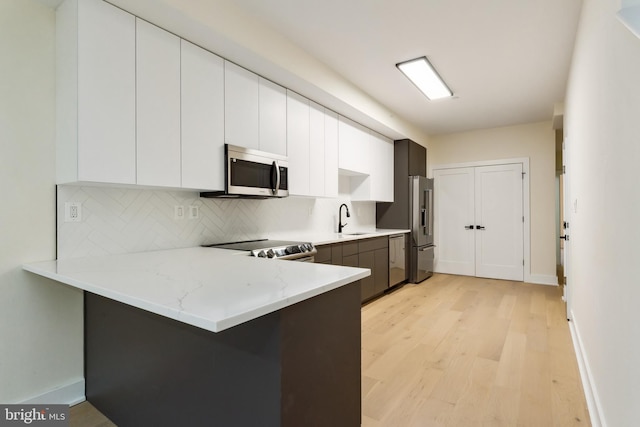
(460, 351)
(465, 351)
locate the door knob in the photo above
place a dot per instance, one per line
(565, 237)
(468, 227)
(479, 227)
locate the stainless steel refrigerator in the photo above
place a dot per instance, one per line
(421, 216)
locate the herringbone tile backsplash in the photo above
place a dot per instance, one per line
(119, 220)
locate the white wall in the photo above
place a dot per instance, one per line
(40, 320)
(602, 134)
(119, 220)
(535, 141)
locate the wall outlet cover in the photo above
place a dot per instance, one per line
(72, 212)
(194, 212)
(178, 212)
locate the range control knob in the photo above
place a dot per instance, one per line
(262, 254)
(271, 253)
(295, 249)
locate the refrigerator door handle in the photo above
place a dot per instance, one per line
(429, 198)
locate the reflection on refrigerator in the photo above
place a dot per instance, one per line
(421, 216)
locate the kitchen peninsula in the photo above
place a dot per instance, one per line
(202, 336)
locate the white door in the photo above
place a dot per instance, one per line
(499, 222)
(479, 221)
(454, 197)
(568, 210)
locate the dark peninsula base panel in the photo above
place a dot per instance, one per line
(299, 366)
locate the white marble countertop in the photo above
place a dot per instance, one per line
(214, 289)
(327, 238)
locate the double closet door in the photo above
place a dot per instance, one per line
(479, 221)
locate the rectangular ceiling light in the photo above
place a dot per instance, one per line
(424, 76)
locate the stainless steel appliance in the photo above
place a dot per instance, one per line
(253, 174)
(397, 259)
(421, 211)
(412, 207)
(274, 249)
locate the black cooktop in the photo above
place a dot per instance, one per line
(251, 245)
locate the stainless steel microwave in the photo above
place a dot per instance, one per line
(254, 174)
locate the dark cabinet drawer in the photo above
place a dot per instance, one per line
(372, 253)
(350, 248)
(336, 254)
(373, 244)
(324, 254)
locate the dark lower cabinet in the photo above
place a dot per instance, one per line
(371, 253)
(367, 285)
(299, 366)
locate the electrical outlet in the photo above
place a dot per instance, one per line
(178, 212)
(72, 212)
(194, 212)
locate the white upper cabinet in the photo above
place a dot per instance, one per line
(353, 146)
(381, 168)
(316, 167)
(255, 111)
(158, 106)
(298, 143)
(367, 158)
(312, 140)
(202, 112)
(330, 154)
(95, 93)
(136, 104)
(272, 110)
(241, 100)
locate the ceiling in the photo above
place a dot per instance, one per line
(507, 61)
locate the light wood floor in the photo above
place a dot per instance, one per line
(460, 351)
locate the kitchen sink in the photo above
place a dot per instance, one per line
(355, 234)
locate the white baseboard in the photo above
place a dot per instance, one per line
(70, 394)
(590, 393)
(543, 279)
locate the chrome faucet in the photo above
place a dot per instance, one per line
(340, 224)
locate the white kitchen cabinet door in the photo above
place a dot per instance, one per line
(273, 117)
(381, 168)
(241, 100)
(202, 112)
(298, 111)
(330, 153)
(95, 93)
(316, 150)
(157, 106)
(353, 148)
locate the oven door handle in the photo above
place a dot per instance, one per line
(275, 168)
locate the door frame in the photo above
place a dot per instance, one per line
(526, 208)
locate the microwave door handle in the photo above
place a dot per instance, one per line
(276, 168)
